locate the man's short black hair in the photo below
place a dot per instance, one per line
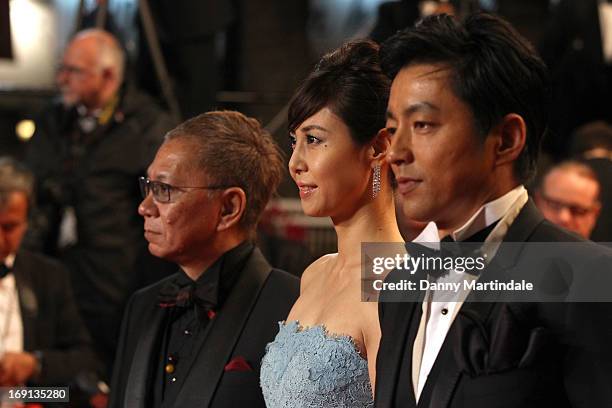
(495, 72)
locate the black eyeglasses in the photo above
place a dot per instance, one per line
(72, 69)
(162, 192)
(574, 209)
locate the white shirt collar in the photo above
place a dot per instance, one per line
(484, 217)
(489, 213)
(429, 234)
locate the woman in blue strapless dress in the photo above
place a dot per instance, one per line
(325, 353)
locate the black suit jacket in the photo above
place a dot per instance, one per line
(51, 322)
(504, 354)
(247, 321)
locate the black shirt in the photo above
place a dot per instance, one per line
(187, 327)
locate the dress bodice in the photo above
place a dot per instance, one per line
(311, 368)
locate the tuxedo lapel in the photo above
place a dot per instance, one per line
(136, 387)
(208, 367)
(413, 327)
(445, 373)
(28, 301)
(440, 383)
(401, 321)
(525, 223)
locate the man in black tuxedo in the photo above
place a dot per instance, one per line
(467, 111)
(43, 340)
(196, 339)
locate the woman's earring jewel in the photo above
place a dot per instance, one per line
(376, 181)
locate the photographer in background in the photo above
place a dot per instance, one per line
(89, 148)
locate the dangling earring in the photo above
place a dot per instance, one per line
(376, 181)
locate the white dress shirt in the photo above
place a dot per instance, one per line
(439, 310)
(11, 326)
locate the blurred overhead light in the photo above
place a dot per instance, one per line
(25, 129)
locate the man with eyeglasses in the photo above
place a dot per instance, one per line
(89, 146)
(197, 337)
(568, 196)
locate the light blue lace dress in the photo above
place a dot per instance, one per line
(309, 368)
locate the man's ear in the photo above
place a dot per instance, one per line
(233, 205)
(380, 146)
(512, 136)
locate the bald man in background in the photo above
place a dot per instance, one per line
(90, 147)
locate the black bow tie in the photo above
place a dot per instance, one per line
(449, 248)
(202, 297)
(4, 270)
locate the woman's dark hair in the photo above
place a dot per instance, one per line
(495, 72)
(350, 83)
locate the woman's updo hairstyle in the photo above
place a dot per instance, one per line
(350, 83)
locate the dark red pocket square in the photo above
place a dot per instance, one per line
(238, 364)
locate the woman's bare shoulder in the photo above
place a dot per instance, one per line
(312, 272)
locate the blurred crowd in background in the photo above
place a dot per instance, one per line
(87, 114)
